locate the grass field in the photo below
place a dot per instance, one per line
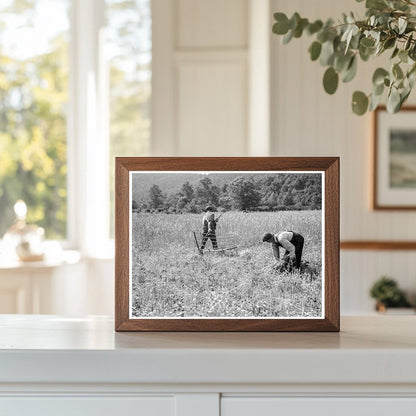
(170, 278)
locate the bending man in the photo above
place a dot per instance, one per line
(293, 244)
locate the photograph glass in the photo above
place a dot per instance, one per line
(226, 244)
(402, 158)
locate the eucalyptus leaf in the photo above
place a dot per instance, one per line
(327, 54)
(331, 33)
(341, 62)
(352, 31)
(330, 80)
(376, 36)
(374, 102)
(322, 35)
(288, 37)
(395, 52)
(294, 20)
(379, 75)
(400, 5)
(281, 27)
(412, 69)
(376, 4)
(389, 43)
(367, 42)
(337, 43)
(298, 30)
(393, 101)
(404, 96)
(402, 22)
(403, 56)
(395, 27)
(378, 89)
(399, 85)
(359, 103)
(315, 50)
(366, 53)
(350, 18)
(397, 71)
(346, 34)
(314, 27)
(411, 78)
(351, 71)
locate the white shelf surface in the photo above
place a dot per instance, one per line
(53, 349)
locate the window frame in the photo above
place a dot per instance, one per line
(87, 133)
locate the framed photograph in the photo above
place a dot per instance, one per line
(394, 179)
(227, 244)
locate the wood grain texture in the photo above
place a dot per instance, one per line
(376, 205)
(378, 245)
(329, 165)
(121, 244)
(332, 226)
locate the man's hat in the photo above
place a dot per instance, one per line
(210, 208)
(267, 237)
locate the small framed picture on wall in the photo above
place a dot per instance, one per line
(394, 159)
(227, 244)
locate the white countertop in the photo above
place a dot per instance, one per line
(53, 349)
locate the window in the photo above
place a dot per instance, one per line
(75, 87)
(129, 43)
(33, 99)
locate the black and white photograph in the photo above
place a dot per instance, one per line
(226, 244)
(403, 158)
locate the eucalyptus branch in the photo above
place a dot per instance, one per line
(389, 25)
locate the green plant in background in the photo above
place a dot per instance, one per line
(389, 27)
(387, 294)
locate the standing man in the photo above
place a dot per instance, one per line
(209, 224)
(293, 244)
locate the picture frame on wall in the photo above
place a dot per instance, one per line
(227, 244)
(394, 159)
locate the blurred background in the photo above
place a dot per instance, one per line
(83, 81)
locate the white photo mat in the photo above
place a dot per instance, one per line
(386, 195)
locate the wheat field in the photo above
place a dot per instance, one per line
(171, 279)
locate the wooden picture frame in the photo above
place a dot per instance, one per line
(394, 145)
(135, 169)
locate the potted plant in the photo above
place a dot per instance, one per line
(387, 294)
(389, 27)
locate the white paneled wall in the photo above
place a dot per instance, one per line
(308, 122)
(212, 104)
(212, 24)
(204, 75)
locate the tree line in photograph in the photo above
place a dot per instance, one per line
(281, 192)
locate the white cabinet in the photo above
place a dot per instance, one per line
(87, 406)
(67, 285)
(40, 288)
(269, 406)
(80, 366)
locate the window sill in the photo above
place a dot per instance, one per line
(50, 261)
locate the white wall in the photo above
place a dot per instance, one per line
(200, 77)
(308, 122)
